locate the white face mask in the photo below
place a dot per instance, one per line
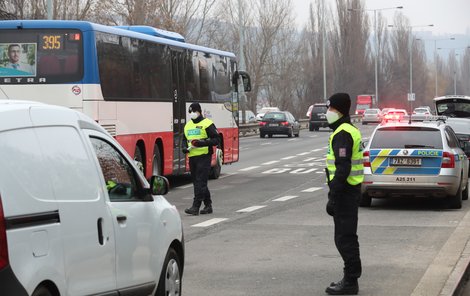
(332, 117)
(194, 115)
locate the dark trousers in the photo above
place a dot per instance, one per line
(200, 167)
(346, 240)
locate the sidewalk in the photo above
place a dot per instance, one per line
(445, 276)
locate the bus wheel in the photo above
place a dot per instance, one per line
(139, 159)
(215, 170)
(157, 162)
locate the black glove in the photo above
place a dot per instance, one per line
(198, 143)
(185, 150)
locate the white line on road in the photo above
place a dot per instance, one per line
(264, 144)
(319, 172)
(249, 168)
(209, 222)
(312, 189)
(250, 209)
(291, 140)
(289, 157)
(314, 136)
(284, 198)
(270, 162)
(227, 175)
(310, 159)
(303, 153)
(316, 150)
(186, 187)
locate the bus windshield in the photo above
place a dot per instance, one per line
(40, 56)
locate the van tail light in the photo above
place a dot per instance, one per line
(262, 123)
(366, 159)
(3, 239)
(448, 160)
(285, 123)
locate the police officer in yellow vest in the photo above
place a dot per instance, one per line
(200, 135)
(344, 176)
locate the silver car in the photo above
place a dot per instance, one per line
(373, 115)
(415, 159)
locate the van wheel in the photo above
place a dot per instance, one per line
(456, 200)
(157, 162)
(270, 135)
(41, 291)
(261, 135)
(215, 170)
(365, 201)
(170, 278)
(291, 132)
(310, 127)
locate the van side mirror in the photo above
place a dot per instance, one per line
(245, 79)
(159, 185)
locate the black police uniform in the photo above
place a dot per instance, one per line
(200, 167)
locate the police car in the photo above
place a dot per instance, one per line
(421, 159)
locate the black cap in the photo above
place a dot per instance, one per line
(195, 107)
(341, 102)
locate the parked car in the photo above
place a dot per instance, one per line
(265, 110)
(279, 122)
(77, 216)
(417, 159)
(250, 117)
(395, 115)
(318, 117)
(372, 115)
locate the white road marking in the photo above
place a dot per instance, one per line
(264, 144)
(312, 189)
(291, 140)
(250, 209)
(277, 171)
(186, 187)
(314, 136)
(289, 157)
(270, 162)
(284, 198)
(249, 168)
(316, 150)
(227, 175)
(303, 171)
(209, 222)
(310, 159)
(304, 153)
(319, 172)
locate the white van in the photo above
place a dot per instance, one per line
(77, 217)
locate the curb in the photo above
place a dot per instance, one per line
(444, 276)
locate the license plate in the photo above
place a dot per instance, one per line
(405, 161)
(273, 124)
(322, 116)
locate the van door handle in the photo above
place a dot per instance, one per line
(100, 231)
(121, 218)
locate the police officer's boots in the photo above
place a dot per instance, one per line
(343, 287)
(194, 209)
(206, 210)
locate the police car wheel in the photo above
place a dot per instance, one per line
(42, 291)
(365, 201)
(455, 201)
(170, 278)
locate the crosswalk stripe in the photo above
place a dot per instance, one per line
(209, 222)
(250, 209)
(284, 198)
(312, 189)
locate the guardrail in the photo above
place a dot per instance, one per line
(249, 129)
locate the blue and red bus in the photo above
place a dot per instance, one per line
(137, 82)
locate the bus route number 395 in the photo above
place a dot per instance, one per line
(406, 179)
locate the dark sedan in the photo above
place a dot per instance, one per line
(279, 123)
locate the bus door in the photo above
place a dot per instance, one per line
(179, 109)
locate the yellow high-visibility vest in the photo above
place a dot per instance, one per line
(197, 131)
(356, 175)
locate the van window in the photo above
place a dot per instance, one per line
(67, 163)
(117, 172)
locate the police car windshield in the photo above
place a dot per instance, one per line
(407, 137)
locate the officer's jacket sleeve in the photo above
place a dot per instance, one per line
(342, 147)
(212, 136)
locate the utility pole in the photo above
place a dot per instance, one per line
(49, 9)
(241, 64)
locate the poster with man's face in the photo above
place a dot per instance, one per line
(18, 59)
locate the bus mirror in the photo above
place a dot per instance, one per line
(245, 79)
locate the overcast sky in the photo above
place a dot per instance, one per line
(448, 16)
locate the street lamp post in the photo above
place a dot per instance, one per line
(376, 38)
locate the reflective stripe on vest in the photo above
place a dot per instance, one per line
(197, 131)
(356, 175)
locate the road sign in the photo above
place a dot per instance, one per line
(411, 96)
